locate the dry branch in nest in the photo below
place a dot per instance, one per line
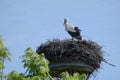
(68, 51)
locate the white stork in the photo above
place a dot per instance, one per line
(72, 30)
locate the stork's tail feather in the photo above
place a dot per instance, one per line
(79, 37)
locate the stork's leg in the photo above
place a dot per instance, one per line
(72, 38)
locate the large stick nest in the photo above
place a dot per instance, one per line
(68, 51)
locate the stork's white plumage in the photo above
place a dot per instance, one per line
(72, 30)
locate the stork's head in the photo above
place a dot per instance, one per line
(65, 21)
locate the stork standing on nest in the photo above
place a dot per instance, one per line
(72, 30)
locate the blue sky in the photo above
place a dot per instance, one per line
(28, 23)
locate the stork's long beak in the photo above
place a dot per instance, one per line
(64, 22)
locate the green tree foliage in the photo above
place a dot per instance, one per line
(36, 67)
(4, 55)
(15, 76)
(35, 64)
(75, 76)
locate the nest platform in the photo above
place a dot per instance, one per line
(84, 56)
